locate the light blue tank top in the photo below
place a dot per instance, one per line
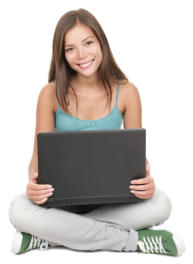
(66, 122)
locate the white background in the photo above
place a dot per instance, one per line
(152, 43)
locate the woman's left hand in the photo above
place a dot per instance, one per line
(143, 188)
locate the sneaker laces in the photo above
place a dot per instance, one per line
(152, 244)
(37, 242)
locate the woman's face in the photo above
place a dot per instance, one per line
(82, 50)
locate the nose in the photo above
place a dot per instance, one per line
(80, 53)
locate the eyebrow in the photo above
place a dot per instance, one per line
(82, 40)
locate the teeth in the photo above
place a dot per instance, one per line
(86, 64)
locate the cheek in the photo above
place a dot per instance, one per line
(69, 58)
(98, 53)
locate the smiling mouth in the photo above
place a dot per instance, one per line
(86, 65)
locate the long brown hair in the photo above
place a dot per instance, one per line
(61, 72)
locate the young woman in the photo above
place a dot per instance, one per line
(87, 90)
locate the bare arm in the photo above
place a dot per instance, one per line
(44, 122)
(32, 168)
(38, 193)
(143, 188)
(133, 112)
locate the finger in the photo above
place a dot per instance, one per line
(38, 187)
(31, 192)
(144, 187)
(145, 180)
(35, 175)
(147, 170)
(143, 194)
(40, 197)
(41, 201)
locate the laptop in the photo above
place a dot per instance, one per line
(91, 167)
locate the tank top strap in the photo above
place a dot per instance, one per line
(117, 92)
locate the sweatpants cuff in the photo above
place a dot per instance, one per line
(132, 240)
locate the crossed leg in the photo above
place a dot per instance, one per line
(145, 214)
(69, 229)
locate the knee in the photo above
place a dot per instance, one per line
(15, 208)
(163, 205)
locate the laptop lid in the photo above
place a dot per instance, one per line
(91, 166)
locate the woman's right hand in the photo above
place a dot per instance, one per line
(38, 193)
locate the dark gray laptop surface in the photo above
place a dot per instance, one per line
(91, 166)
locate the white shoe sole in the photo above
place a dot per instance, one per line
(17, 241)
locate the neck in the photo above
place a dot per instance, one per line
(86, 84)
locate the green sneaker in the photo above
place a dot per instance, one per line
(160, 242)
(24, 242)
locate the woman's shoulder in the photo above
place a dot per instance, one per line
(49, 87)
(129, 92)
(127, 87)
(126, 84)
(48, 92)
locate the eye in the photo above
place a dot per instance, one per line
(69, 49)
(89, 42)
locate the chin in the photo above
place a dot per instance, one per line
(87, 74)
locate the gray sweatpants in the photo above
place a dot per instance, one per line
(108, 227)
